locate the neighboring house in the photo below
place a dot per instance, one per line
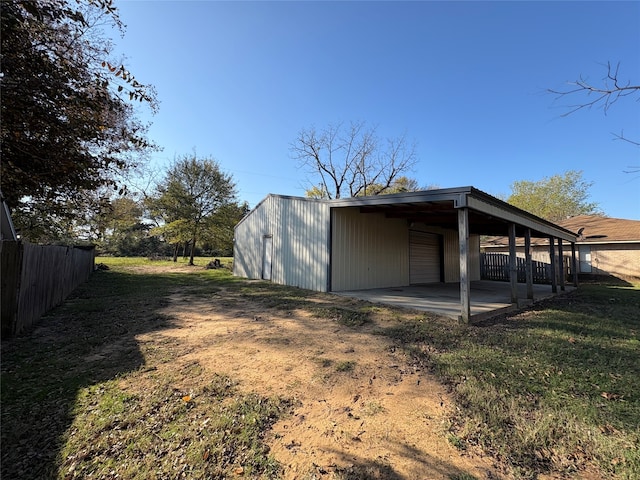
(382, 241)
(605, 246)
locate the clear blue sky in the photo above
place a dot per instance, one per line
(466, 80)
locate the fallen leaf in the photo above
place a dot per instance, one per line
(608, 429)
(186, 398)
(572, 340)
(610, 396)
(238, 470)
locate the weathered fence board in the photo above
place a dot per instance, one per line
(495, 266)
(37, 279)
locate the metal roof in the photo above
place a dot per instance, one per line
(488, 215)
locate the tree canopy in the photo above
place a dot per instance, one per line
(68, 121)
(554, 198)
(191, 201)
(351, 160)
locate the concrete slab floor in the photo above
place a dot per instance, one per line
(487, 297)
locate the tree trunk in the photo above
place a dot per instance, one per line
(193, 249)
(175, 252)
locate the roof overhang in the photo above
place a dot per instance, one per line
(488, 215)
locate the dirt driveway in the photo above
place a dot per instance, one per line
(359, 402)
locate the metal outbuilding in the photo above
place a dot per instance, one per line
(384, 241)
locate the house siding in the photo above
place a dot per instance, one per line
(619, 260)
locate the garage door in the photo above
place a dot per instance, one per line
(424, 257)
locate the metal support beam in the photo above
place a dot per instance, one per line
(552, 256)
(561, 265)
(513, 263)
(465, 283)
(528, 266)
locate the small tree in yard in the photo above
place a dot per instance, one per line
(188, 200)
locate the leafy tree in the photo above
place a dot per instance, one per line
(67, 223)
(554, 198)
(119, 229)
(68, 124)
(351, 160)
(191, 200)
(218, 239)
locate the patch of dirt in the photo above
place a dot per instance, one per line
(362, 411)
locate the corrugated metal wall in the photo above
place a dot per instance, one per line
(300, 235)
(247, 241)
(301, 243)
(368, 250)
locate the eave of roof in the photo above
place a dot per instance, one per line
(488, 215)
(420, 204)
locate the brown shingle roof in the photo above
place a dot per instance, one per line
(602, 229)
(594, 229)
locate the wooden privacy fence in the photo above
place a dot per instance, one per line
(36, 278)
(495, 266)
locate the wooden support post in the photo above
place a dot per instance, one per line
(513, 263)
(465, 283)
(574, 264)
(552, 257)
(528, 263)
(561, 265)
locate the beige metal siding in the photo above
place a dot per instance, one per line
(301, 243)
(424, 257)
(368, 250)
(300, 235)
(452, 257)
(248, 238)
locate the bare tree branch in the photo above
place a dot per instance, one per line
(611, 90)
(351, 158)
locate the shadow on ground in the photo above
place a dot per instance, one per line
(87, 340)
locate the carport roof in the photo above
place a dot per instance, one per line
(488, 215)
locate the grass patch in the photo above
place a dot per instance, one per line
(344, 316)
(372, 408)
(551, 389)
(345, 366)
(82, 397)
(322, 362)
(211, 432)
(554, 389)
